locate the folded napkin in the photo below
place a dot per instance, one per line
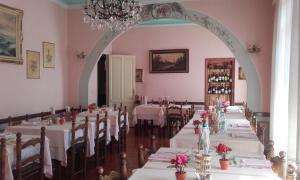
(255, 163)
(162, 157)
(26, 123)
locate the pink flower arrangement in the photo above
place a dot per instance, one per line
(225, 104)
(196, 123)
(180, 162)
(222, 149)
(204, 114)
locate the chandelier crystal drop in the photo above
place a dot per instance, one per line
(116, 15)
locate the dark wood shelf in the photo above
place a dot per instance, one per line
(209, 98)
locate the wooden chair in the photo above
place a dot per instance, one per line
(33, 165)
(144, 153)
(261, 133)
(100, 141)
(2, 160)
(269, 150)
(77, 153)
(115, 107)
(174, 118)
(254, 122)
(122, 116)
(279, 164)
(123, 175)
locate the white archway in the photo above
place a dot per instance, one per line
(176, 11)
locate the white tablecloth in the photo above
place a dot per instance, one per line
(161, 160)
(10, 158)
(153, 112)
(167, 174)
(112, 116)
(238, 136)
(59, 138)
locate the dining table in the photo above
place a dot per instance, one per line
(247, 159)
(10, 154)
(238, 131)
(59, 135)
(155, 112)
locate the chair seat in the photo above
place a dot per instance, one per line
(30, 169)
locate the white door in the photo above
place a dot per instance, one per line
(122, 81)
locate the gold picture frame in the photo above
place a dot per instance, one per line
(48, 55)
(11, 34)
(33, 64)
(242, 75)
(139, 75)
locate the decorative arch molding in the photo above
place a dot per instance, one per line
(176, 11)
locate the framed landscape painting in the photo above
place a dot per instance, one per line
(48, 55)
(10, 34)
(33, 64)
(169, 61)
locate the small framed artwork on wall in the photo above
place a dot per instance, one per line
(139, 75)
(48, 55)
(241, 74)
(33, 64)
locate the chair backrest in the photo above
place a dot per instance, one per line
(254, 122)
(122, 116)
(269, 150)
(2, 160)
(83, 150)
(100, 133)
(144, 153)
(261, 134)
(20, 163)
(174, 112)
(115, 107)
(114, 175)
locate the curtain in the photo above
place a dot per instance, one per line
(284, 93)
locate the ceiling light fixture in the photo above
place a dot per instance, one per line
(116, 15)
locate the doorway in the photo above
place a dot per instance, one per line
(102, 81)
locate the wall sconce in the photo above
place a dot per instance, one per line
(253, 49)
(81, 55)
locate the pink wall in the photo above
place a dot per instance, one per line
(178, 86)
(43, 21)
(250, 20)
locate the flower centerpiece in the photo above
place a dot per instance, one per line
(222, 149)
(180, 162)
(196, 123)
(204, 114)
(225, 104)
(92, 107)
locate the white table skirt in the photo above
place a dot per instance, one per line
(153, 112)
(10, 158)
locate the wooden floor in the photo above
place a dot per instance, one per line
(112, 161)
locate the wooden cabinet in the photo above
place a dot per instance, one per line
(219, 80)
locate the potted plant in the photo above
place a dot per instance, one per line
(196, 123)
(222, 149)
(180, 162)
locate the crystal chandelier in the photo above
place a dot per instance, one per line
(116, 15)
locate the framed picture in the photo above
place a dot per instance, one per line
(241, 74)
(48, 55)
(10, 34)
(169, 61)
(33, 64)
(139, 75)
